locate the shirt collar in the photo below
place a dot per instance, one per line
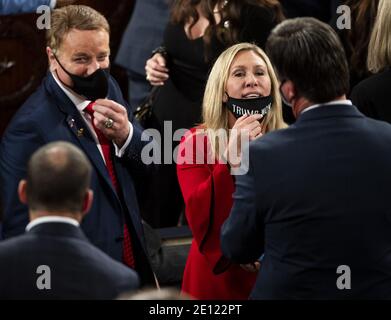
(47, 219)
(77, 100)
(346, 102)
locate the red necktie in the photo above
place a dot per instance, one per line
(128, 257)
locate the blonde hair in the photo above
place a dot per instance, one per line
(379, 49)
(215, 116)
(73, 17)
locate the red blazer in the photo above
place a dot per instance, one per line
(207, 190)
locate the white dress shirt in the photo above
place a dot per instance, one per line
(347, 102)
(47, 219)
(81, 104)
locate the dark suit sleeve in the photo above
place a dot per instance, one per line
(242, 234)
(21, 140)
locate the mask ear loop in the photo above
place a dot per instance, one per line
(58, 61)
(226, 96)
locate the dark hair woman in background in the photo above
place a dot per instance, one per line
(198, 31)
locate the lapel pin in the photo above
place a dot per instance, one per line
(80, 132)
(71, 122)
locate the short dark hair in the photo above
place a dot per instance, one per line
(58, 176)
(71, 17)
(309, 53)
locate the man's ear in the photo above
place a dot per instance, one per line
(51, 58)
(22, 191)
(290, 90)
(87, 202)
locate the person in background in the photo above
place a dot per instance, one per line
(54, 248)
(30, 6)
(197, 33)
(241, 94)
(356, 39)
(371, 95)
(143, 34)
(308, 200)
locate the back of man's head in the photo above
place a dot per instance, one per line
(309, 53)
(58, 178)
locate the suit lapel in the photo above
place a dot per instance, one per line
(80, 130)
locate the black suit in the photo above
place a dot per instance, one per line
(317, 196)
(78, 269)
(371, 96)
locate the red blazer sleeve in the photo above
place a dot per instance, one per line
(198, 181)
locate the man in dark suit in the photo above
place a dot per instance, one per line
(143, 34)
(53, 259)
(315, 199)
(81, 103)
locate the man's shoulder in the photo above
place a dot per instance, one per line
(110, 268)
(15, 247)
(36, 106)
(274, 138)
(105, 260)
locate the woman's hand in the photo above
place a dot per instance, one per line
(245, 127)
(156, 70)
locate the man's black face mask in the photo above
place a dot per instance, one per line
(93, 87)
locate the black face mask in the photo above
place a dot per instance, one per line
(239, 107)
(93, 87)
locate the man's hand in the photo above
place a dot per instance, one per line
(63, 3)
(108, 109)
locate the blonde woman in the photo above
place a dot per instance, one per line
(371, 95)
(241, 100)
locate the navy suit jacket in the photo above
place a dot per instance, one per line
(316, 196)
(143, 34)
(78, 270)
(47, 116)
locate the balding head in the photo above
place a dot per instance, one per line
(58, 177)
